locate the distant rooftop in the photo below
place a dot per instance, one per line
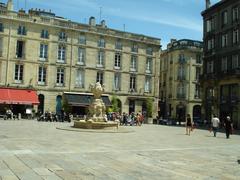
(184, 43)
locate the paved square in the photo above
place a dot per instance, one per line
(37, 150)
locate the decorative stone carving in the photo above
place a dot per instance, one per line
(97, 108)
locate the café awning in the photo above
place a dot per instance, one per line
(84, 99)
(18, 96)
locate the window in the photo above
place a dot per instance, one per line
(20, 49)
(118, 45)
(224, 64)
(101, 43)
(82, 39)
(147, 85)
(134, 48)
(181, 58)
(18, 73)
(60, 77)
(132, 83)
(149, 51)
(235, 14)
(235, 62)
(117, 81)
(197, 91)
(235, 36)
(1, 46)
(43, 51)
(133, 65)
(181, 91)
(210, 67)
(100, 62)
(224, 18)
(198, 59)
(198, 73)
(149, 65)
(181, 72)
(79, 78)
(62, 36)
(22, 30)
(44, 34)
(42, 71)
(117, 64)
(81, 56)
(224, 40)
(99, 77)
(1, 27)
(61, 53)
(210, 24)
(210, 44)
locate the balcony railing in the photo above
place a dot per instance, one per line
(181, 96)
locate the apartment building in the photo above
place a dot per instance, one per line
(221, 64)
(181, 67)
(58, 58)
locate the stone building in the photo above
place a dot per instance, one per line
(221, 64)
(181, 66)
(55, 56)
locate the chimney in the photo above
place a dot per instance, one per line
(92, 21)
(208, 4)
(103, 23)
(10, 5)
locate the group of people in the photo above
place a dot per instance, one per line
(127, 119)
(215, 123)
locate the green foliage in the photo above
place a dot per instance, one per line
(115, 107)
(149, 104)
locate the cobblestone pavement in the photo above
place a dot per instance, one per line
(37, 150)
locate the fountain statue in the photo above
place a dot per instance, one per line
(96, 118)
(97, 109)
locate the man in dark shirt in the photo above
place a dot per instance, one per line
(228, 126)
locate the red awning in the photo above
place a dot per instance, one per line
(18, 96)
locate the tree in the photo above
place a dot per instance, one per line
(149, 104)
(115, 107)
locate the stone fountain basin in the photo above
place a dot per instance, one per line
(95, 125)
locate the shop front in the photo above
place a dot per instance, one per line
(20, 102)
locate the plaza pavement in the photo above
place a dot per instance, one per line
(32, 150)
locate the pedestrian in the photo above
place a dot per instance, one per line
(188, 124)
(228, 126)
(215, 124)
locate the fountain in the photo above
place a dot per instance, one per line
(96, 118)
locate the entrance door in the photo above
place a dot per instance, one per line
(131, 106)
(58, 104)
(41, 103)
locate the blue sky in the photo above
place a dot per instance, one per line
(164, 19)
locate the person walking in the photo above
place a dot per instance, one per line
(215, 124)
(188, 124)
(228, 126)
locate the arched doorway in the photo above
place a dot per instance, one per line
(58, 104)
(196, 114)
(131, 106)
(144, 108)
(41, 103)
(180, 112)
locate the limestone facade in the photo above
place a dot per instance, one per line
(53, 55)
(179, 91)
